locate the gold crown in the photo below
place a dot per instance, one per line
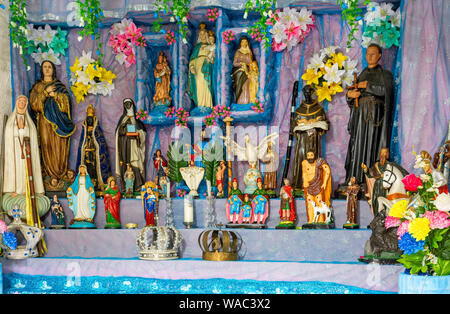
(90, 110)
(220, 245)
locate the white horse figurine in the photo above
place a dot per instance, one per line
(323, 209)
(392, 181)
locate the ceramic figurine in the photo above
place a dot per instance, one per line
(242, 81)
(82, 202)
(317, 187)
(233, 204)
(50, 103)
(19, 166)
(370, 121)
(270, 159)
(162, 74)
(374, 179)
(251, 154)
(246, 209)
(201, 64)
(287, 206)
(93, 151)
(352, 205)
(260, 204)
(130, 145)
(219, 179)
(310, 123)
(129, 181)
(150, 200)
(252, 72)
(441, 160)
(160, 163)
(192, 175)
(439, 181)
(112, 204)
(57, 213)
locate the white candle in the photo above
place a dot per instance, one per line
(208, 187)
(188, 209)
(168, 188)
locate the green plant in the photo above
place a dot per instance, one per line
(352, 14)
(179, 9)
(18, 26)
(178, 157)
(91, 15)
(261, 27)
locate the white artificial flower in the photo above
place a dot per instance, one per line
(315, 62)
(245, 15)
(333, 74)
(84, 78)
(386, 10)
(37, 56)
(172, 19)
(373, 13)
(442, 202)
(304, 19)
(347, 80)
(327, 51)
(121, 57)
(85, 59)
(73, 78)
(350, 66)
(278, 33)
(37, 36)
(48, 34)
(396, 19)
(51, 56)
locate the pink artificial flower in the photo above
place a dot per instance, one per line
(278, 46)
(403, 228)
(411, 182)
(438, 219)
(3, 226)
(391, 222)
(133, 32)
(292, 31)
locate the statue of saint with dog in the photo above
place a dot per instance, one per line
(317, 187)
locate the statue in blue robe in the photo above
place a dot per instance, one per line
(82, 202)
(93, 151)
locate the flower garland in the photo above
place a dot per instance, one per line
(46, 44)
(88, 77)
(170, 38)
(382, 25)
(18, 27)
(423, 222)
(290, 27)
(91, 16)
(258, 107)
(228, 36)
(124, 39)
(212, 14)
(329, 72)
(352, 14)
(265, 8)
(181, 115)
(219, 112)
(142, 114)
(180, 14)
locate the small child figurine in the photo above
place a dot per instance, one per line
(253, 74)
(129, 181)
(219, 179)
(352, 204)
(246, 209)
(57, 214)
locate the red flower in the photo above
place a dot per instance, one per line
(412, 182)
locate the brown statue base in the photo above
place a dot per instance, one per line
(350, 226)
(318, 225)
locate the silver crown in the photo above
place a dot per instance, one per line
(31, 234)
(158, 243)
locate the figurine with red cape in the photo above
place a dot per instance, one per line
(112, 204)
(287, 206)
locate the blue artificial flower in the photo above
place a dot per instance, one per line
(9, 239)
(344, 6)
(409, 245)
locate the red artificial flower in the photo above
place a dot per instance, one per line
(411, 182)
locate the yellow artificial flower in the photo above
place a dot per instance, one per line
(329, 63)
(398, 210)
(80, 90)
(92, 71)
(339, 58)
(323, 92)
(335, 88)
(106, 75)
(311, 77)
(75, 67)
(419, 228)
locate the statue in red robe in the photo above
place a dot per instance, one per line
(112, 204)
(287, 206)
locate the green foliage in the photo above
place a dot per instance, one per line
(91, 15)
(263, 7)
(179, 9)
(414, 262)
(18, 26)
(178, 157)
(352, 14)
(211, 160)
